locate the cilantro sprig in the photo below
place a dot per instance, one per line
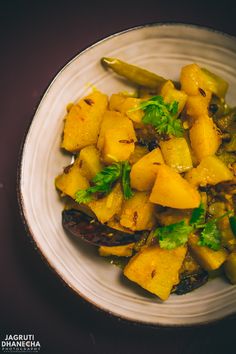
(104, 181)
(210, 236)
(128, 193)
(198, 216)
(162, 116)
(175, 235)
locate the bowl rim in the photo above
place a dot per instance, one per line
(19, 194)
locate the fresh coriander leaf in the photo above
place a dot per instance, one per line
(198, 216)
(105, 178)
(128, 193)
(173, 235)
(174, 107)
(162, 116)
(103, 182)
(210, 236)
(83, 196)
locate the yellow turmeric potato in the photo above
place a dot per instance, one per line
(192, 80)
(124, 104)
(207, 258)
(118, 145)
(170, 94)
(172, 190)
(116, 101)
(71, 181)
(137, 212)
(119, 251)
(105, 208)
(156, 269)
(143, 172)
(211, 170)
(176, 154)
(89, 162)
(204, 137)
(198, 105)
(83, 121)
(115, 120)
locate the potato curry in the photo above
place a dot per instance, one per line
(152, 182)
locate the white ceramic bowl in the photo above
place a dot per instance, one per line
(163, 49)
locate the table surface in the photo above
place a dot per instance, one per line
(37, 39)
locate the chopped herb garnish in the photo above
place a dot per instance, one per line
(128, 193)
(175, 235)
(162, 116)
(210, 236)
(198, 216)
(104, 181)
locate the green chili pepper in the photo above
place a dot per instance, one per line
(134, 74)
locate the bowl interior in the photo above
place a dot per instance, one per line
(163, 49)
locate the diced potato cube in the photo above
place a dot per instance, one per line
(137, 212)
(119, 251)
(143, 172)
(124, 104)
(116, 101)
(115, 120)
(198, 105)
(192, 80)
(118, 145)
(156, 269)
(89, 162)
(83, 121)
(176, 154)
(230, 267)
(71, 181)
(207, 258)
(172, 190)
(170, 94)
(204, 137)
(211, 170)
(135, 115)
(105, 208)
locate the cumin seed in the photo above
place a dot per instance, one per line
(135, 217)
(67, 169)
(89, 101)
(153, 273)
(125, 141)
(202, 92)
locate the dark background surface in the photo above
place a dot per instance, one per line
(36, 39)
